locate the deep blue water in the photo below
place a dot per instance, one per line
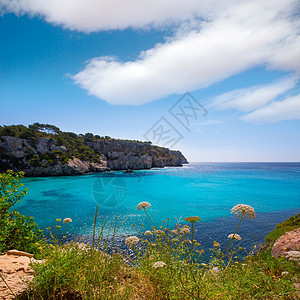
(208, 190)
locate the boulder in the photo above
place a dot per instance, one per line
(287, 244)
(15, 269)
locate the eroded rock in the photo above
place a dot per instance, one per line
(15, 269)
(287, 244)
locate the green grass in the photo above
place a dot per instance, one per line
(83, 270)
(94, 275)
(290, 224)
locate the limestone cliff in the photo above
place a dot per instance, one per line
(46, 157)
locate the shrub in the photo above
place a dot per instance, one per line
(17, 231)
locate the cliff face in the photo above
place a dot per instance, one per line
(42, 156)
(122, 155)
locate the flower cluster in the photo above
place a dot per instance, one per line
(187, 242)
(132, 240)
(159, 264)
(159, 232)
(148, 232)
(184, 230)
(235, 236)
(243, 210)
(143, 205)
(192, 219)
(67, 220)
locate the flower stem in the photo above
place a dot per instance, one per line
(233, 235)
(150, 218)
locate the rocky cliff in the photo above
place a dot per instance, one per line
(46, 157)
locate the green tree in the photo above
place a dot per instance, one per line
(16, 231)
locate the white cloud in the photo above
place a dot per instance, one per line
(254, 97)
(287, 109)
(94, 15)
(224, 37)
(239, 37)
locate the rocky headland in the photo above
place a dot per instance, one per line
(57, 153)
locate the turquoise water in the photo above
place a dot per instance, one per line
(208, 190)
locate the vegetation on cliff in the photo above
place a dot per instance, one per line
(74, 144)
(45, 150)
(290, 224)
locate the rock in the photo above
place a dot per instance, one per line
(19, 253)
(292, 255)
(15, 270)
(289, 242)
(15, 147)
(42, 145)
(30, 156)
(123, 155)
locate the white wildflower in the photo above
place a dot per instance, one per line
(159, 232)
(235, 236)
(67, 220)
(148, 232)
(184, 230)
(143, 205)
(174, 231)
(132, 240)
(159, 264)
(187, 241)
(243, 210)
(215, 270)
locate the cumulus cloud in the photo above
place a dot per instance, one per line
(94, 15)
(253, 97)
(221, 39)
(242, 36)
(287, 109)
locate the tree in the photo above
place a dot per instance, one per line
(17, 231)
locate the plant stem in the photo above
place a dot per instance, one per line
(233, 234)
(150, 219)
(94, 229)
(7, 285)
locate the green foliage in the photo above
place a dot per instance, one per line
(290, 224)
(17, 231)
(76, 144)
(161, 264)
(77, 267)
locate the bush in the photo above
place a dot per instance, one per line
(17, 231)
(290, 224)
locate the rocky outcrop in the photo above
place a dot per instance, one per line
(288, 245)
(19, 154)
(123, 155)
(16, 271)
(35, 156)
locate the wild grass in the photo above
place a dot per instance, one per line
(290, 224)
(161, 263)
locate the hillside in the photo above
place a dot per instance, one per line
(45, 150)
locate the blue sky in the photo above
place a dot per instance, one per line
(115, 70)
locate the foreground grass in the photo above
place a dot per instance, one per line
(290, 224)
(166, 264)
(95, 275)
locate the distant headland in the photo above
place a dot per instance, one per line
(45, 150)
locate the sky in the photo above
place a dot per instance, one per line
(218, 80)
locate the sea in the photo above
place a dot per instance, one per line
(206, 190)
